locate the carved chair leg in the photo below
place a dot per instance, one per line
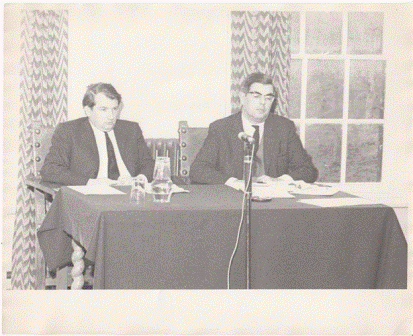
(78, 266)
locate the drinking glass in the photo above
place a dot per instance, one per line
(138, 187)
(162, 184)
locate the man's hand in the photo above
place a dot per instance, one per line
(106, 181)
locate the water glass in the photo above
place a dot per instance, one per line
(138, 192)
(162, 184)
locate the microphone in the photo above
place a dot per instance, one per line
(245, 137)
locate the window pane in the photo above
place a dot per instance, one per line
(367, 79)
(325, 89)
(295, 32)
(294, 92)
(323, 143)
(364, 153)
(365, 33)
(323, 32)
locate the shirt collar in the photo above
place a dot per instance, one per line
(247, 125)
(96, 130)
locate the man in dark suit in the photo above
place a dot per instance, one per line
(279, 154)
(98, 148)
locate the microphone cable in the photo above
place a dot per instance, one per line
(242, 219)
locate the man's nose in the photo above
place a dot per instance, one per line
(112, 114)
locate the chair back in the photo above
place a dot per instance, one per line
(165, 147)
(191, 140)
(41, 142)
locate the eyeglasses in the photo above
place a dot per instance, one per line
(268, 98)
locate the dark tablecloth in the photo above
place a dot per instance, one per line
(187, 244)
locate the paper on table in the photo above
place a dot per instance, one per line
(315, 190)
(337, 202)
(97, 189)
(263, 190)
(177, 190)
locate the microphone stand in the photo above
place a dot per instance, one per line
(248, 158)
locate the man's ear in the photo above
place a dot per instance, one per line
(88, 110)
(120, 106)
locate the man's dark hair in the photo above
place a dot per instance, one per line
(256, 77)
(259, 77)
(92, 90)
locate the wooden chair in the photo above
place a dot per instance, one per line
(43, 195)
(45, 192)
(191, 140)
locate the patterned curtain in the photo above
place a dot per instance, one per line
(43, 97)
(261, 42)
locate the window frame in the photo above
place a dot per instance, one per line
(302, 121)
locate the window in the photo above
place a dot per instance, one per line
(337, 92)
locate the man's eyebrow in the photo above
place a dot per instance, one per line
(268, 94)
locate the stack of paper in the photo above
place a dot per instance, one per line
(302, 188)
(96, 189)
(263, 190)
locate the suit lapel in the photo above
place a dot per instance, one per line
(271, 143)
(89, 143)
(123, 142)
(120, 139)
(237, 145)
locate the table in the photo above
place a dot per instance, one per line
(187, 244)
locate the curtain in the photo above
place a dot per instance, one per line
(261, 42)
(43, 97)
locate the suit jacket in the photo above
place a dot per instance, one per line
(73, 157)
(222, 153)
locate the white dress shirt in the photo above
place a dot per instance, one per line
(247, 125)
(103, 154)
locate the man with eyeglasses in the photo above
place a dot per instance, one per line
(278, 154)
(98, 148)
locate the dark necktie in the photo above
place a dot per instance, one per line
(256, 137)
(113, 171)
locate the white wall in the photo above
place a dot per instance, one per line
(170, 63)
